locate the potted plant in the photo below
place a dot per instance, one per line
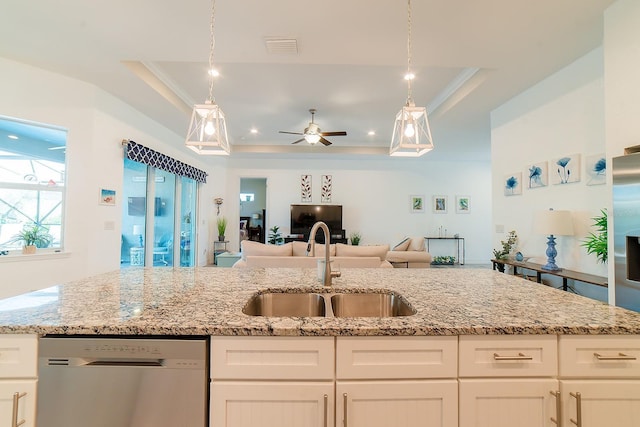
(33, 236)
(222, 227)
(355, 238)
(275, 237)
(596, 243)
(507, 247)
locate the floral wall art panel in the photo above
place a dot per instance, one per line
(513, 184)
(566, 169)
(538, 175)
(327, 182)
(305, 188)
(596, 169)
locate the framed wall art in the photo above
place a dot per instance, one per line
(566, 169)
(538, 175)
(463, 204)
(416, 204)
(513, 184)
(325, 195)
(305, 188)
(107, 197)
(440, 204)
(596, 169)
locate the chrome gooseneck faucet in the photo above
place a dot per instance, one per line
(328, 274)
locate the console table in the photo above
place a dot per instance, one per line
(564, 273)
(459, 246)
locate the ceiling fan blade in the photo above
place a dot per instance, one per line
(324, 141)
(341, 133)
(292, 133)
(300, 140)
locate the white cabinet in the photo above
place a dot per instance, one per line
(600, 380)
(272, 404)
(18, 379)
(293, 381)
(397, 403)
(508, 380)
(396, 381)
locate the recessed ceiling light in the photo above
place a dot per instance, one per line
(12, 137)
(371, 133)
(254, 130)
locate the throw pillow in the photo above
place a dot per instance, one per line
(251, 248)
(402, 246)
(417, 244)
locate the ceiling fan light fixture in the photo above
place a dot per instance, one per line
(312, 138)
(411, 131)
(207, 132)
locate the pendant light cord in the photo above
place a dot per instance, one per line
(211, 47)
(409, 78)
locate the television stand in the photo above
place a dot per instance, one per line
(319, 238)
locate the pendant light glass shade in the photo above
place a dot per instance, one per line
(208, 130)
(411, 133)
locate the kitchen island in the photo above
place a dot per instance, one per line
(209, 301)
(482, 348)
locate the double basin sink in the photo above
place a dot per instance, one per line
(312, 304)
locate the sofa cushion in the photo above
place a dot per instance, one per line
(251, 248)
(402, 246)
(417, 244)
(379, 251)
(300, 249)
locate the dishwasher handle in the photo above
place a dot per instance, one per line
(149, 363)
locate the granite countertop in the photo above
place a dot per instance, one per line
(209, 301)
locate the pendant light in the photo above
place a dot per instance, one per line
(411, 132)
(208, 128)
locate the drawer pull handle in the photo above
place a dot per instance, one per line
(619, 356)
(326, 405)
(578, 420)
(558, 419)
(344, 402)
(520, 356)
(14, 417)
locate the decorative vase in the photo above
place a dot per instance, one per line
(221, 238)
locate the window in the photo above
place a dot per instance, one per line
(32, 180)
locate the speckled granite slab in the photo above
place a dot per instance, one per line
(209, 301)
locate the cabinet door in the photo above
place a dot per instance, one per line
(604, 403)
(397, 403)
(271, 404)
(26, 403)
(507, 402)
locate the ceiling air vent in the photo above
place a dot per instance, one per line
(280, 45)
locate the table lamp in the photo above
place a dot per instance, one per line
(553, 223)
(137, 230)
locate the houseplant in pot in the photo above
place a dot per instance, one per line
(355, 238)
(507, 246)
(222, 227)
(275, 237)
(596, 243)
(33, 236)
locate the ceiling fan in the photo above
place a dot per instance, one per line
(313, 134)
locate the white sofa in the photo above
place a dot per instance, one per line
(294, 254)
(410, 253)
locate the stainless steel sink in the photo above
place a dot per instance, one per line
(286, 305)
(311, 304)
(370, 305)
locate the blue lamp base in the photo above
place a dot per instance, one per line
(551, 255)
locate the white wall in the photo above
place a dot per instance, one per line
(375, 196)
(562, 115)
(96, 123)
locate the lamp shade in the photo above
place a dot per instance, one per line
(256, 216)
(208, 130)
(137, 229)
(411, 133)
(557, 223)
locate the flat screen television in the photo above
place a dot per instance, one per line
(136, 206)
(304, 216)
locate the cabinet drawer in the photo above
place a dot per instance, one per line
(612, 356)
(272, 358)
(396, 357)
(18, 356)
(508, 356)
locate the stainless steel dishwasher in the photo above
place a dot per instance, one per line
(122, 382)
